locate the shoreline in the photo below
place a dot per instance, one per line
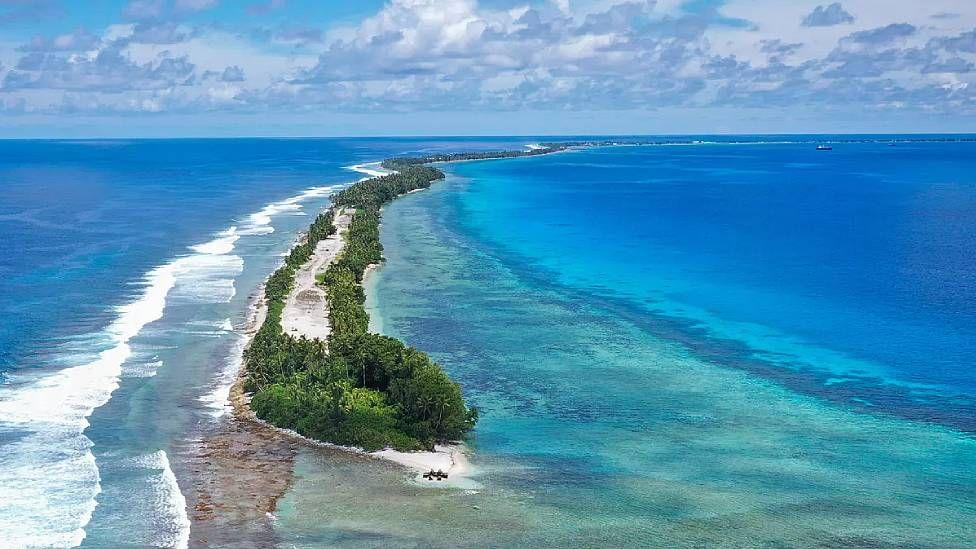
(241, 470)
(451, 458)
(246, 466)
(370, 170)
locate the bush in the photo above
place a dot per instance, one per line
(370, 391)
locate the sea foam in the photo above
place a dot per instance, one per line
(49, 478)
(169, 505)
(260, 222)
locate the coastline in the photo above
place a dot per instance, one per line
(451, 459)
(371, 305)
(242, 470)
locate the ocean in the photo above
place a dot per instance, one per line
(705, 345)
(708, 344)
(125, 272)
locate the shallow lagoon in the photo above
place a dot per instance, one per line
(602, 424)
(648, 414)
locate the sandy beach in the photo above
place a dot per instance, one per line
(370, 169)
(306, 310)
(240, 471)
(306, 313)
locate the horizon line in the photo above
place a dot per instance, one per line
(487, 135)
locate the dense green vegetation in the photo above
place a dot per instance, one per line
(362, 389)
(359, 389)
(373, 193)
(400, 163)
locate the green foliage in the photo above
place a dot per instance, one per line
(370, 390)
(406, 162)
(373, 193)
(346, 299)
(336, 412)
(362, 247)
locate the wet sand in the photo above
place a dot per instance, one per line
(239, 470)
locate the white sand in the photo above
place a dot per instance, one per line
(306, 313)
(306, 310)
(370, 169)
(450, 459)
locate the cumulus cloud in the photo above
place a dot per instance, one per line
(828, 16)
(78, 40)
(159, 33)
(963, 43)
(952, 65)
(883, 35)
(107, 71)
(189, 6)
(233, 74)
(415, 55)
(778, 47)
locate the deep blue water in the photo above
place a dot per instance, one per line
(697, 346)
(125, 270)
(853, 270)
(80, 219)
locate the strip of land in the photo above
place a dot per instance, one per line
(306, 312)
(241, 470)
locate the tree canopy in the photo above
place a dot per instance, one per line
(358, 389)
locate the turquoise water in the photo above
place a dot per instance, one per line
(126, 267)
(647, 377)
(672, 349)
(849, 272)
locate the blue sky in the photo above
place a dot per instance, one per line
(416, 67)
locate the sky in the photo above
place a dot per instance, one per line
(158, 68)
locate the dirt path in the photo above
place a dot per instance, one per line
(306, 309)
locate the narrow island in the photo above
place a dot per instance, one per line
(352, 388)
(317, 372)
(312, 366)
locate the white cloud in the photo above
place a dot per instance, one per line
(194, 5)
(460, 54)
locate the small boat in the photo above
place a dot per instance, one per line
(824, 148)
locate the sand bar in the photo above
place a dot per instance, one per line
(370, 170)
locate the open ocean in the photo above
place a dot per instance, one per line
(701, 345)
(705, 345)
(125, 272)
